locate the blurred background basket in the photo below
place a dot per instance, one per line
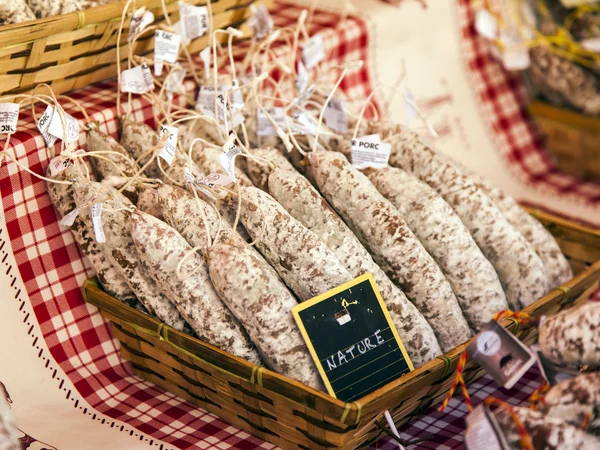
(291, 415)
(77, 49)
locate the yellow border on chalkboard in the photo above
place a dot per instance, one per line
(327, 295)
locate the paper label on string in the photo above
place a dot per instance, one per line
(486, 24)
(264, 127)
(335, 115)
(55, 128)
(501, 354)
(205, 56)
(9, 116)
(193, 20)
(58, 164)
(552, 372)
(237, 100)
(215, 179)
(97, 223)
(228, 160)
(43, 125)
(166, 48)
(139, 21)
(302, 78)
(483, 431)
(593, 44)
(313, 51)
(307, 125)
(174, 82)
(137, 80)
(369, 151)
(514, 54)
(69, 219)
(260, 21)
(168, 151)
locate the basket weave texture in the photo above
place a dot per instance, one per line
(291, 415)
(74, 50)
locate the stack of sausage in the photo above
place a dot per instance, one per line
(447, 250)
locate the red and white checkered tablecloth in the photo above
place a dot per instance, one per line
(53, 269)
(503, 104)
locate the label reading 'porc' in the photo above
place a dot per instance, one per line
(9, 116)
(369, 151)
(501, 354)
(352, 339)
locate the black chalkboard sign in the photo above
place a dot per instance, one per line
(352, 339)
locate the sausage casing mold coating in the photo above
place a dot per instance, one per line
(303, 202)
(162, 248)
(259, 171)
(139, 139)
(445, 237)
(394, 247)
(260, 300)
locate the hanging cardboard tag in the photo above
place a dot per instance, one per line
(313, 51)
(137, 80)
(260, 21)
(9, 116)
(215, 179)
(193, 20)
(551, 372)
(501, 354)
(264, 126)
(483, 431)
(352, 339)
(486, 24)
(97, 223)
(43, 124)
(166, 48)
(55, 127)
(228, 160)
(205, 56)
(139, 21)
(302, 79)
(168, 151)
(69, 219)
(369, 151)
(58, 164)
(335, 115)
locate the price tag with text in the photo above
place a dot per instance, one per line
(313, 51)
(69, 132)
(228, 160)
(139, 21)
(43, 124)
(9, 116)
(193, 20)
(352, 339)
(137, 80)
(166, 48)
(336, 116)
(168, 151)
(369, 151)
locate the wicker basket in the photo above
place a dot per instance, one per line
(77, 49)
(572, 138)
(291, 415)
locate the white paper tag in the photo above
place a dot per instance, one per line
(302, 78)
(174, 82)
(483, 431)
(43, 125)
(55, 128)
(264, 127)
(215, 179)
(237, 100)
(228, 160)
(313, 51)
(515, 54)
(97, 223)
(137, 80)
(486, 24)
(193, 20)
(260, 21)
(58, 164)
(205, 56)
(139, 21)
(307, 124)
(9, 116)
(168, 151)
(593, 44)
(166, 48)
(69, 219)
(369, 151)
(335, 115)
